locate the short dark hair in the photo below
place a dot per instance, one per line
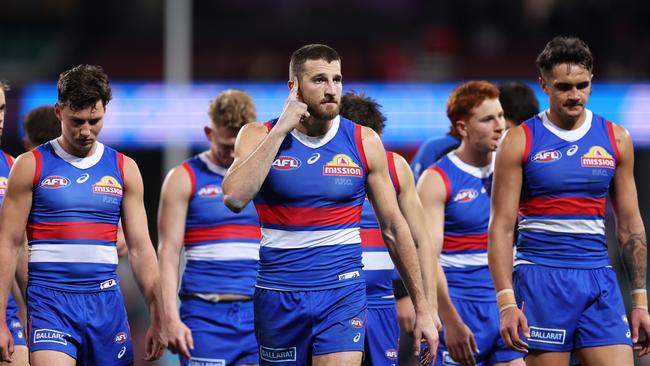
(518, 101)
(564, 50)
(82, 86)
(41, 125)
(363, 110)
(310, 52)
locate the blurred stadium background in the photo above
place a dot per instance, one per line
(166, 59)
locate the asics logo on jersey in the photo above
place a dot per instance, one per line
(285, 163)
(465, 195)
(547, 156)
(55, 181)
(120, 337)
(391, 354)
(108, 185)
(82, 178)
(209, 191)
(572, 150)
(342, 165)
(597, 157)
(314, 158)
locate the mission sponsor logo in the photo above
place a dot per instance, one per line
(211, 190)
(466, 195)
(54, 182)
(597, 157)
(3, 186)
(342, 165)
(547, 335)
(286, 163)
(278, 354)
(108, 185)
(547, 156)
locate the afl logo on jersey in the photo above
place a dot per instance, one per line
(55, 181)
(209, 191)
(286, 163)
(466, 195)
(547, 156)
(3, 186)
(108, 185)
(342, 165)
(597, 157)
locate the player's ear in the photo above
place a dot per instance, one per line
(57, 111)
(542, 84)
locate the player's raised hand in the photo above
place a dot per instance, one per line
(6, 344)
(294, 110)
(179, 338)
(425, 330)
(640, 328)
(512, 321)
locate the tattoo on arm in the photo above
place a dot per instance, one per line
(634, 251)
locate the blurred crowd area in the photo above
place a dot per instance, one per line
(427, 40)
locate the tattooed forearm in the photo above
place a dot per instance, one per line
(634, 250)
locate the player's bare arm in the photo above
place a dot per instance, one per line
(142, 256)
(506, 188)
(632, 238)
(397, 237)
(411, 208)
(172, 213)
(13, 220)
(458, 337)
(255, 151)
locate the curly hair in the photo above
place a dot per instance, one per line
(363, 110)
(564, 50)
(83, 86)
(232, 109)
(466, 97)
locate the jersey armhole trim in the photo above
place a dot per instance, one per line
(393, 170)
(359, 140)
(445, 179)
(612, 139)
(529, 142)
(187, 167)
(38, 160)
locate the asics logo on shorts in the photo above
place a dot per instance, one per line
(122, 352)
(357, 338)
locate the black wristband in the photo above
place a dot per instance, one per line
(399, 289)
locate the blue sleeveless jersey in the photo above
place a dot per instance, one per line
(72, 226)
(467, 213)
(566, 178)
(378, 267)
(5, 166)
(310, 211)
(221, 247)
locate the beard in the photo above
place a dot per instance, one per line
(323, 111)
